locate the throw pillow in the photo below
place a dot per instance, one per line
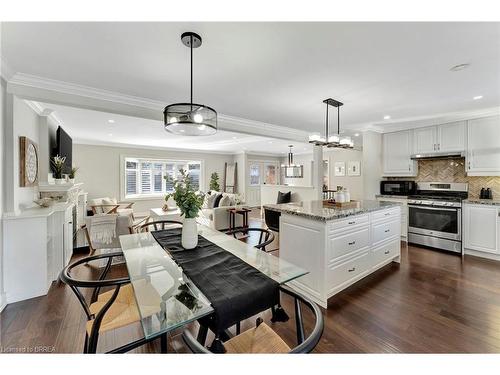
(217, 200)
(225, 201)
(209, 201)
(284, 197)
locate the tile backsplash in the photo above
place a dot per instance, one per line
(453, 170)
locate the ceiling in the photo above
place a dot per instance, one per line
(93, 127)
(277, 73)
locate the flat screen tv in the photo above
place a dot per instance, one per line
(64, 147)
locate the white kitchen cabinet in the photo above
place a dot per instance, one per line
(404, 214)
(481, 228)
(424, 140)
(440, 138)
(397, 150)
(483, 146)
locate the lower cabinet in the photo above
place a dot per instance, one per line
(404, 214)
(482, 228)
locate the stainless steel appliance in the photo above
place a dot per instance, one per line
(435, 215)
(397, 187)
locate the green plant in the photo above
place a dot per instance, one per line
(58, 165)
(188, 201)
(73, 172)
(214, 182)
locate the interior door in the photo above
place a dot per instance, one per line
(254, 181)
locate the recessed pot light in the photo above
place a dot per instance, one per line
(356, 135)
(234, 137)
(387, 117)
(110, 135)
(477, 97)
(111, 121)
(459, 67)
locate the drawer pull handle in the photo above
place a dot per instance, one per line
(351, 243)
(386, 252)
(351, 269)
(387, 230)
(387, 214)
(351, 222)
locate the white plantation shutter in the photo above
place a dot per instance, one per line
(147, 177)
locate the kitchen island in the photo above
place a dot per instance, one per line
(338, 246)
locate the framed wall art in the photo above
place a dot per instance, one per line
(354, 168)
(28, 162)
(339, 168)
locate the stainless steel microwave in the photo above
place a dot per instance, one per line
(398, 187)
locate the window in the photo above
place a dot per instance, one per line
(147, 177)
(254, 174)
(270, 176)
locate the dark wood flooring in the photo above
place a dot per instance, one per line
(432, 303)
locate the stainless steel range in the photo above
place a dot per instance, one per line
(435, 215)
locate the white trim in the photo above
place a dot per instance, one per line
(3, 301)
(6, 71)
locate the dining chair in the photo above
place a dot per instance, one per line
(112, 309)
(263, 339)
(123, 226)
(158, 225)
(265, 236)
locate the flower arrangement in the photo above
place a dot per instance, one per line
(58, 165)
(188, 201)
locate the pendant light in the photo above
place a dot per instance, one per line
(334, 140)
(292, 170)
(190, 118)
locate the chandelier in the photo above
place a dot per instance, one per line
(334, 140)
(190, 118)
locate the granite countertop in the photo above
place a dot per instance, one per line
(391, 196)
(491, 202)
(314, 209)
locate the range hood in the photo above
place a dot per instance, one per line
(438, 155)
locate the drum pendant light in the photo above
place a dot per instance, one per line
(190, 118)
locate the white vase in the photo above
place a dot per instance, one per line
(189, 238)
(71, 180)
(59, 181)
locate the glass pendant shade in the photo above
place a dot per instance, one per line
(190, 119)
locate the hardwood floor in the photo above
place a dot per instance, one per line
(432, 303)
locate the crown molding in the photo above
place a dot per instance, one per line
(443, 118)
(6, 71)
(107, 100)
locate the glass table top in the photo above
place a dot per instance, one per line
(166, 297)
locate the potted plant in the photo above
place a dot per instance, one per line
(57, 167)
(189, 203)
(214, 181)
(72, 174)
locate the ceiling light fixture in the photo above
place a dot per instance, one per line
(334, 140)
(459, 67)
(387, 117)
(356, 134)
(477, 97)
(111, 121)
(190, 118)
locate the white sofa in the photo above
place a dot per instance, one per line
(218, 218)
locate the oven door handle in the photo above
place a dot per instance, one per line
(435, 208)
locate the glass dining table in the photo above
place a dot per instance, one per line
(166, 298)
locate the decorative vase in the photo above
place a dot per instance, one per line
(59, 181)
(189, 238)
(71, 180)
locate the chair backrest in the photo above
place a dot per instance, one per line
(123, 226)
(103, 205)
(159, 225)
(304, 345)
(272, 219)
(265, 236)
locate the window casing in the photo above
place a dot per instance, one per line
(146, 177)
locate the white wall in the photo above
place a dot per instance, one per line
(372, 163)
(241, 178)
(2, 169)
(99, 169)
(26, 123)
(355, 184)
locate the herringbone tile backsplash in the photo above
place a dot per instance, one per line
(453, 170)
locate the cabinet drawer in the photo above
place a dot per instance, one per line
(342, 244)
(385, 230)
(350, 221)
(343, 272)
(386, 214)
(386, 251)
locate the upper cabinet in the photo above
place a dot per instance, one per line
(483, 151)
(441, 138)
(397, 150)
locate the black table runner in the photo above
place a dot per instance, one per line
(235, 289)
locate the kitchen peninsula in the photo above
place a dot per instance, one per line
(338, 246)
